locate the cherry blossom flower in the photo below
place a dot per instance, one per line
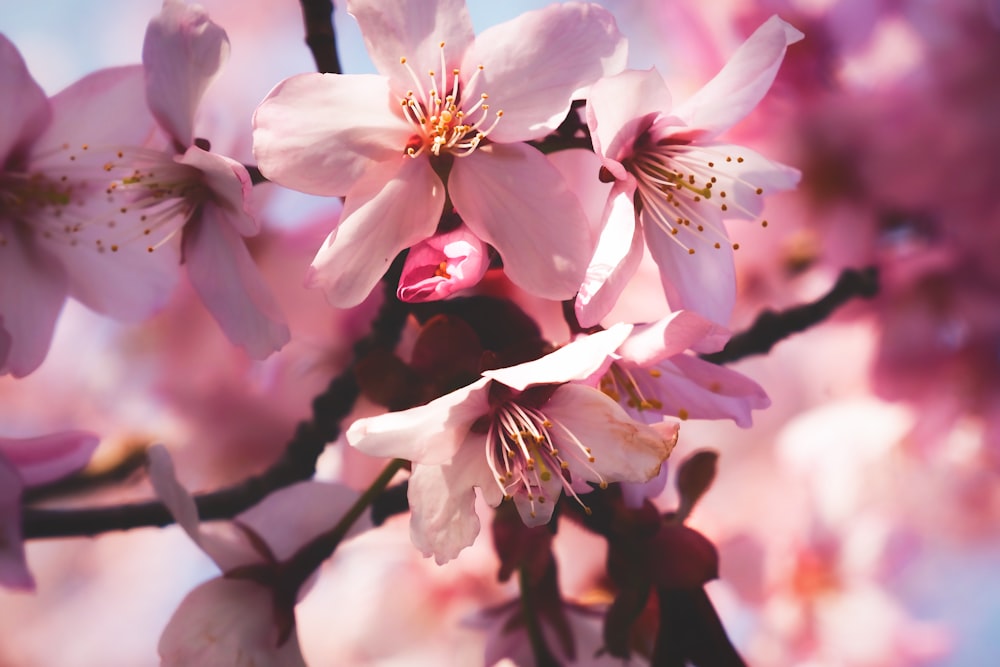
(655, 375)
(60, 233)
(230, 619)
(437, 267)
(25, 463)
(208, 193)
(447, 108)
(674, 183)
(524, 432)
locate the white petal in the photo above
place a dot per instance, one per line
(621, 108)
(443, 517)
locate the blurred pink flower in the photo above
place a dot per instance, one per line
(59, 234)
(674, 184)
(183, 51)
(388, 143)
(25, 463)
(525, 432)
(437, 267)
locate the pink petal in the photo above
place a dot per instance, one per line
(673, 335)
(538, 511)
(25, 110)
(443, 518)
(514, 199)
(32, 292)
(395, 29)
(227, 622)
(14, 571)
(80, 116)
(536, 64)
(579, 168)
(427, 434)
(395, 205)
(182, 53)
(319, 133)
(229, 283)
(230, 184)
(584, 357)
(623, 449)
(442, 265)
(615, 261)
(48, 458)
(621, 108)
(227, 550)
(742, 82)
(292, 516)
(708, 391)
(704, 282)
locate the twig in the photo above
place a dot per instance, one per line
(320, 35)
(771, 327)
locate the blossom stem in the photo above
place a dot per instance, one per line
(320, 35)
(533, 622)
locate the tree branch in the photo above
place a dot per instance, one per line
(771, 327)
(320, 35)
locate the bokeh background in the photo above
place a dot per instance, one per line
(857, 520)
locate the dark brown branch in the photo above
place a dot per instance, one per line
(90, 479)
(771, 327)
(320, 35)
(296, 464)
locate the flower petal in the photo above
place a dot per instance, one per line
(427, 434)
(25, 110)
(514, 199)
(227, 622)
(578, 360)
(615, 261)
(623, 449)
(704, 282)
(80, 116)
(48, 458)
(33, 289)
(621, 108)
(742, 82)
(318, 133)
(536, 64)
(230, 184)
(704, 390)
(395, 205)
(443, 518)
(395, 29)
(230, 285)
(14, 571)
(182, 52)
(672, 335)
(444, 264)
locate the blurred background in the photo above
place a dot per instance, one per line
(857, 520)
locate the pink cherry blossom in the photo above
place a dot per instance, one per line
(233, 620)
(675, 183)
(61, 233)
(447, 108)
(437, 267)
(655, 374)
(525, 432)
(25, 463)
(182, 53)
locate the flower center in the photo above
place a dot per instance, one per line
(101, 197)
(526, 451)
(677, 182)
(443, 121)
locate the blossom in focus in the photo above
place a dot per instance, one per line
(209, 193)
(437, 267)
(654, 375)
(234, 619)
(62, 233)
(26, 463)
(675, 184)
(525, 432)
(447, 108)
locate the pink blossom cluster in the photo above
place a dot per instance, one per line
(550, 228)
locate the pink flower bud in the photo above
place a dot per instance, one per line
(439, 266)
